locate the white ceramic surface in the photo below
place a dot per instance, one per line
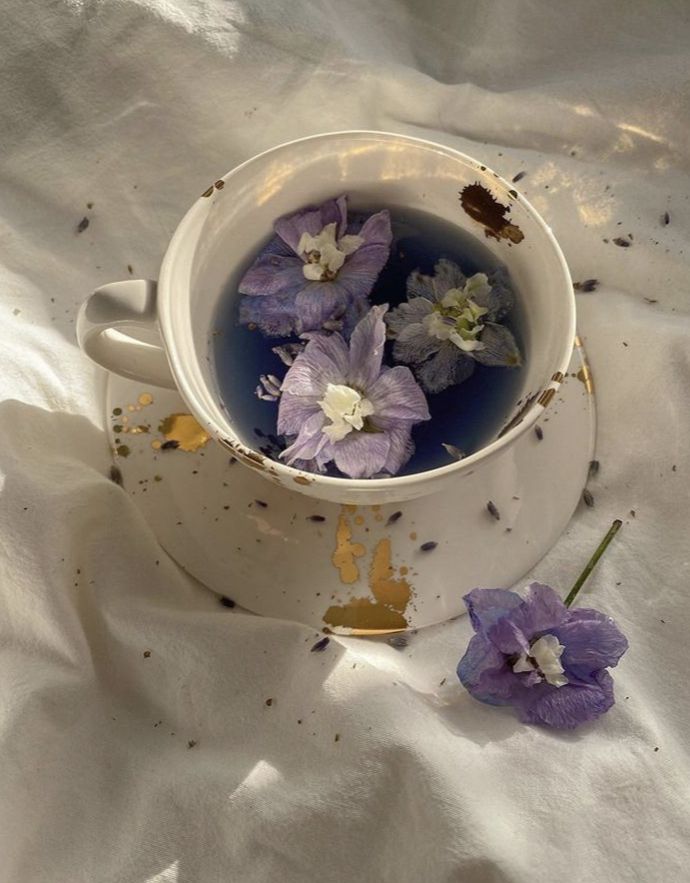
(119, 325)
(282, 554)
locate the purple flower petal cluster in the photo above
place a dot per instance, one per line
(535, 654)
(341, 405)
(316, 272)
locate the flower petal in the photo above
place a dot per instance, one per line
(362, 454)
(310, 441)
(366, 349)
(316, 464)
(273, 274)
(274, 315)
(357, 309)
(415, 345)
(361, 269)
(541, 611)
(566, 707)
(325, 360)
(409, 312)
(376, 230)
(447, 275)
(484, 672)
(420, 287)
(336, 212)
(294, 411)
(448, 367)
(499, 349)
(401, 447)
(592, 641)
(318, 302)
(312, 221)
(487, 606)
(397, 394)
(500, 299)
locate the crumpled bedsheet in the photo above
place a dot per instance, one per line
(136, 744)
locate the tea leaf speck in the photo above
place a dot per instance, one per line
(493, 511)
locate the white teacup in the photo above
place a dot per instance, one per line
(159, 332)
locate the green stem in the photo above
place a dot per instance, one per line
(592, 563)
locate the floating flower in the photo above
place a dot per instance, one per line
(341, 405)
(316, 272)
(449, 322)
(537, 655)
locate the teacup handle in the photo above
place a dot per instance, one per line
(107, 327)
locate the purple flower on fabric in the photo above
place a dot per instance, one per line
(340, 404)
(535, 654)
(316, 272)
(450, 322)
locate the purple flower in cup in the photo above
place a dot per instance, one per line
(450, 322)
(316, 272)
(535, 654)
(340, 404)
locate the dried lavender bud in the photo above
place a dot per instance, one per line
(453, 451)
(587, 285)
(288, 352)
(271, 384)
(493, 511)
(321, 645)
(265, 397)
(428, 547)
(393, 518)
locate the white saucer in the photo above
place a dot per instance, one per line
(344, 568)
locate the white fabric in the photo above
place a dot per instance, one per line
(135, 105)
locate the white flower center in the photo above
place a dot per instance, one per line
(324, 254)
(456, 317)
(345, 408)
(544, 657)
